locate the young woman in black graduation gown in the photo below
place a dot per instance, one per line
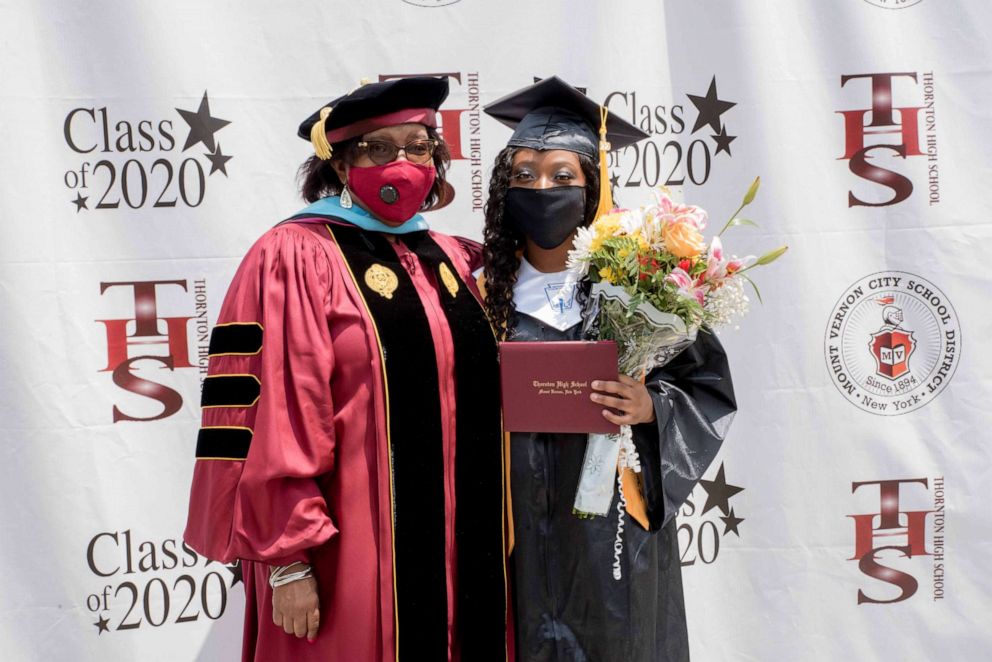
(568, 606)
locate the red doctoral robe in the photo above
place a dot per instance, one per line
(293, 461)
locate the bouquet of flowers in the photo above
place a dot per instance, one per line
(656, 282)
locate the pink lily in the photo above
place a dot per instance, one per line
(680, 279)
(737, 264)
(670, 212)
(716, 266)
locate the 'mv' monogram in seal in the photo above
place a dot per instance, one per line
(892, 343)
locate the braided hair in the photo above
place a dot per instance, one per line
(502, 244)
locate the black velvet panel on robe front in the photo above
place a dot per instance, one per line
(417, 451)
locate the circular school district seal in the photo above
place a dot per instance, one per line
(893, 4)
(892, 343)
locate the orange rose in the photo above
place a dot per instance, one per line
(682, 239)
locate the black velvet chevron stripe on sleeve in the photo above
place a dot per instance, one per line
(237, 339)
(227, 443)
(230, 391)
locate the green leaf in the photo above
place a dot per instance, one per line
(756, 291)
(771, 256)
(751, 192)
(742, 221)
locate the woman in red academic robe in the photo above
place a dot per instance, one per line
(350, 454)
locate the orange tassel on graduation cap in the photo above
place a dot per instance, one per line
(318, 135)
(605, 192)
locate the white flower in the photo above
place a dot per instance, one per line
(726, 304)
(631, 221)
(651, 229)
(581, 250)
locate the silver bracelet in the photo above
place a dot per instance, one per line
(279, 576)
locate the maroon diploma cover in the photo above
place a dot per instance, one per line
(546, 385)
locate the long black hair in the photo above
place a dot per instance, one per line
(318, 179)
(502, 244)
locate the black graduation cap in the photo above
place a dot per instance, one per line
(372, 106)
(551, 114)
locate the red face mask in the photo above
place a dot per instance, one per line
(393, 192)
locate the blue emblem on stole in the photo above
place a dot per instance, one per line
(558, 300)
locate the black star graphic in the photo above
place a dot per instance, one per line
(731, 522)
(723, 141)
(80, 202)
(719, 493)
(201, 125)
(615, 181)
(103, 625)
(710, 108)
(218, 161)
(235, 570)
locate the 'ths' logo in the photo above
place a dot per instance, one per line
(137, 165)
(125, 351)
(900, 533)
(893, 131)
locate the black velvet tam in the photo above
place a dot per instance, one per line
(377, 99)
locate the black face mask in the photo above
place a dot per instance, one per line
(547, 216)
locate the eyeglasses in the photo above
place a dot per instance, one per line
(382, 152)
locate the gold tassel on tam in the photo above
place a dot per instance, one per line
(318, 135)
(605, 193)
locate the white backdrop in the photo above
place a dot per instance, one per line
(123, 222)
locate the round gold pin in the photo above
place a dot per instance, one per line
(381, 280)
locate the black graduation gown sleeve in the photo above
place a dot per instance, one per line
(694, 405)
